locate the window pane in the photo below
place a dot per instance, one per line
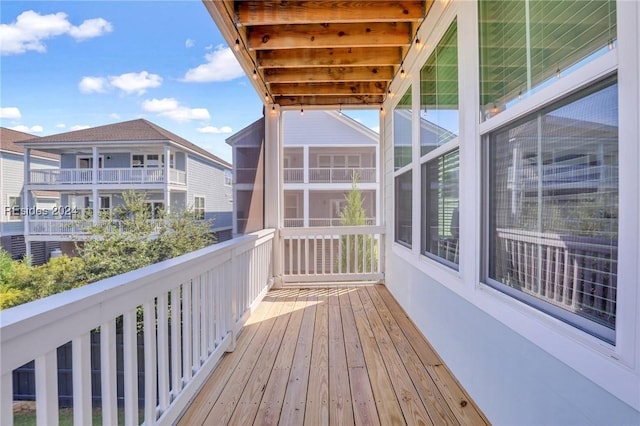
(525, 44)
(554, 209)
(439, 94)
(402, 131)
(440, 183)
(403, 208)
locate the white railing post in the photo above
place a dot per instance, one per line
(81, 358)
(46, 372)
(6, 399)
(108, 373)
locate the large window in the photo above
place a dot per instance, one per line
(553, 209)
(440, 228)
(526, 44)
(439, 94)
(402, 131)
(403, 209)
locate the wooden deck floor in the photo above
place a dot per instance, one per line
(331, 356)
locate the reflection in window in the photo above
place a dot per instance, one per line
(402, 131)
(441, 228)
(525, 44)
(198, 208)
(403, 209)
(553, 209)
(439, 94)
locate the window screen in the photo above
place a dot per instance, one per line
(439, 93)
(525, 43)
(403, 208)
(402, 131)
(553, 209)
(440, 188)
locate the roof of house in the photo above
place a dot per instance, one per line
(8, 139)
(126, 131)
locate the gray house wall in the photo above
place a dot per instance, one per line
(206, 179)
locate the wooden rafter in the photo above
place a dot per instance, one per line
(320, 52)
(324, 11)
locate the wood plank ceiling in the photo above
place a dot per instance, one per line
(324, 53)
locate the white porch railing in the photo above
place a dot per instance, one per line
(294, 175)
(346, 253)
(60, 176)
(106, 176)
(342, 175)
(299, 222)
(57, 227)
(576, 273)
(190, 310)
(177, 177)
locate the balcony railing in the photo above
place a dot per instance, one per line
(134, 175)
(342, 175)
(292, 175)
(299, 222)
(347, 253)
(187, 312)
(75, 226)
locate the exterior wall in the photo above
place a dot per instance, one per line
(207, 180)
(367, 154)
(519, 364)
(311, 129)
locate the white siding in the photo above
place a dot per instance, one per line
(323, 128)
(205, 179)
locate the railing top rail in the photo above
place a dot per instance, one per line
(76, 311)
(332, 230)
(562, 241)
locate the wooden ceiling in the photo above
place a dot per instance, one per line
(325, 53)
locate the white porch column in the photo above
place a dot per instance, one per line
(273, 184)
(305, 163)
(167, 161)
(377, 163)
(94, 184)
(305, 207)
(26, 198)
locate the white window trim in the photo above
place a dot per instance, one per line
(90, 157)
(9, 217)
(146, 160)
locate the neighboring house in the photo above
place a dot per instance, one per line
(99, 164)
(11, 187)
(323, 152)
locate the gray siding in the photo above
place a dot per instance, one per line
(68, 161)
(117, 160)
(206, 179)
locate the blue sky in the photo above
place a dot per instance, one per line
(71, 65)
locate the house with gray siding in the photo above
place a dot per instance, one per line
(11, 187)
(98, 165)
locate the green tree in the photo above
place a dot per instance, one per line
(356, 248)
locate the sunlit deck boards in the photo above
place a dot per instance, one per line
(331, 356)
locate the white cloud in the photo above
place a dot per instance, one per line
(209, 47)
(221, 66)
(171, 108)
(189, 43)
(91, 28)
(26, 129)
(93, 85)
(79, 127)
(12, 113)
(30, 30)
(115, 116)
(135, 82)
(215, 130)
(61, 126)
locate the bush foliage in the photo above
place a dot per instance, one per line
(123, 240)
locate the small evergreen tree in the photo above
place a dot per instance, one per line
(358, 254)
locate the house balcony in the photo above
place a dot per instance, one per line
(71, 227)
(112, 176)
(209, 338)
(299, 222)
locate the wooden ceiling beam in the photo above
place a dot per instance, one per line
(335, 101)
(328, 74)
(326, 12)
(338, 88)
(329, 35)
(339, 57)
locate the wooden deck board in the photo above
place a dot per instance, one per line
(331, 356)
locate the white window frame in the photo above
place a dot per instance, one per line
(159, 162)
(14, 217)
(196, 208)
(228, 178)
(90, 157)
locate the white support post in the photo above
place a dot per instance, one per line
(273, 184)
(6, 399)
(305, 163)
(167, 161)
(305, 207)
(46, 372)
(94, 189)
(377, 163)
(81, 357)
(26, 197)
